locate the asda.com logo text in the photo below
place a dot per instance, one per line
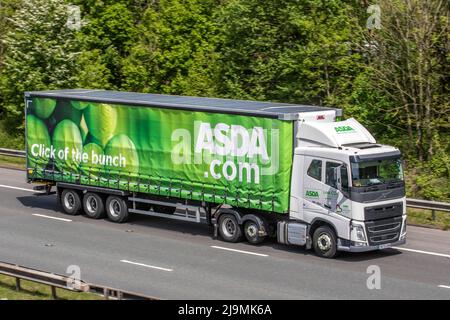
(232, 152)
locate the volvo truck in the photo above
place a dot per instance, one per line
(251, 170)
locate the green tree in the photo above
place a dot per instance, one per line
(7, 8)
(410, 65)
(41, 54)
(175, 50)
(293, 51)
(393, 79)
(109, 32)
(403, 93)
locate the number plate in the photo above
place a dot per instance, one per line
(384, 246)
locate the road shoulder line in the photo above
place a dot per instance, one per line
(146, 265)
(424, 252)
(240, 251)
(50, 217)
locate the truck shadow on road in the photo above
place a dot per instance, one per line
(270, 246)
(367, 256)
(179, 230)
(182, 228)
(136, 222)
(40, 201)
(342, 256)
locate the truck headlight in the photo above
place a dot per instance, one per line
(358, 233)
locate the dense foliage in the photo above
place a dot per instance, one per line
(389, 71)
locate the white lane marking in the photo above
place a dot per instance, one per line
(241, 251)
(146, 265)
(22, 189)
(424, 252)
(50, 217)
(442, 286)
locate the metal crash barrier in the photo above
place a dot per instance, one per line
(66, 283)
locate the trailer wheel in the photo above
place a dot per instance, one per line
(229, 228)
(324, 242)
(116, 209)
(70, 201)
(251, 231)
(93, 205)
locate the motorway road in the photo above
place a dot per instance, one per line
(179, 260)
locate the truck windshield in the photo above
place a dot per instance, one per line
(369, 173)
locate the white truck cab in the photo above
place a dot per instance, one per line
(344, 181)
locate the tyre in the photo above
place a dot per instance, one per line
(116, 209)
(93, 206)
(229, 228)
(251, 232)
(71, 202)
(324, 242)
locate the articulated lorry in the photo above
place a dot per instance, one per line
(250, 169)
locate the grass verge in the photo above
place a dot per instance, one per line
(424, 218)
(35, 291)
(8, 139)
(12, 162)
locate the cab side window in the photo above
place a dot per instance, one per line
(330, 178)
(315, 170)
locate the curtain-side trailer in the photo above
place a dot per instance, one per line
(250, 169)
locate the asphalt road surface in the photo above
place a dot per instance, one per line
(179, 260)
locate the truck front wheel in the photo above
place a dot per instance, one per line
(116, 209)
(229, 229)
(70, 201)
(324, 242)
(93, 205)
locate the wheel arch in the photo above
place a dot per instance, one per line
(256, 219)
(228, 211)
(318, 222)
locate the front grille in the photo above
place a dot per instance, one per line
(383, 231)
(385, 238)
(383, 211)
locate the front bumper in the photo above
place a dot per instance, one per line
(370, 248)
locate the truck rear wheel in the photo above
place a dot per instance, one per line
(70, 201)
(229, 228)
(251, 232)
(324, 242)
(93, 205)
(116, 209)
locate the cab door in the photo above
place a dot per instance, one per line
(321, 194)
(335, 195)
(313, 187)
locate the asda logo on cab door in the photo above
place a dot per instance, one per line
(312, 194)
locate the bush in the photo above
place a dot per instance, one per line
(11, 139)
